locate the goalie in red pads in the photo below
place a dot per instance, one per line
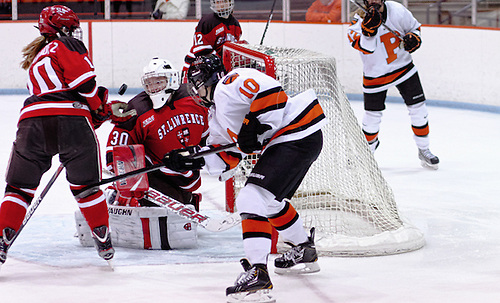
(167, 119)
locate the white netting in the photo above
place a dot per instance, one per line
(344, 194)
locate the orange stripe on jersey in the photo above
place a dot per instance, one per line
(230, 159)
(269, 101)
(285, 218)
(421, 131)
(387, 78)
(382, 80)
(309, 117)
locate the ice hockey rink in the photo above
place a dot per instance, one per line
(456, 207)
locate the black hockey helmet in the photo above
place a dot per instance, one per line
(203, 75)
(367, 3)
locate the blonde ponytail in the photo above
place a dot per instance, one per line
(31, 50)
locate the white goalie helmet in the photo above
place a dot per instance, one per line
(223, 8)
(159, 80)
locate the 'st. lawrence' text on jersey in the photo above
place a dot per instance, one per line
(180, 124)
(57, 70)
(385, 63)
(210, 34)
(247, 90)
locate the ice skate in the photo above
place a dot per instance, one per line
(300, 259)
(5, 241)
(253, 285)
(102, 239)
(427, 159)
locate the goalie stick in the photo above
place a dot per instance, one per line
(210, 224)
(207, 150)
(383, 23)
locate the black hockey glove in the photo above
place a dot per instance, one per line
(250, 129)
(180, 159)
(371, 22)
(411, 42)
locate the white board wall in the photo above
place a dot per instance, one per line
(455, 64)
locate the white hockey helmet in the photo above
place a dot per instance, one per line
(223, 8)
(159, 80)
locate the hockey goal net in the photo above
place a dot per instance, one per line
(344, 195)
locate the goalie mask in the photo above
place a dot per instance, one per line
(202, 76)
(59, 20)
(159, 81)
(223, 8)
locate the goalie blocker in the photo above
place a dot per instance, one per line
(143, 228)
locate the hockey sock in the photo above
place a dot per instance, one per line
(12, 211)
(289, 224)
(94, 209)
(256, 238)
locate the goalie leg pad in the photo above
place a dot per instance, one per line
(143, 228)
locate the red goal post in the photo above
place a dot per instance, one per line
(344, 195)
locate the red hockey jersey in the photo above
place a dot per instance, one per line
(179, 124)
(210, 34)
(54, 77)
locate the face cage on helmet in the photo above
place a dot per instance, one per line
(223, 8)
(161, 83)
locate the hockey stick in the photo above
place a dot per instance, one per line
(36, 203)
(204, 151)
(383, 23)
(210, 224)
(268, 21)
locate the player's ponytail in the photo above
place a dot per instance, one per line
(31, 50)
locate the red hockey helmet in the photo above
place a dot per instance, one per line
(58, 19)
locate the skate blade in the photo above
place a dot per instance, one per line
(111, 264)
(259, 296)
(298, 269)
(429, 166)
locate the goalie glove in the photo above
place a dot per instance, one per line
(250, 129)
(180, 159)
(411, 42)
(371, 22)
(118, 113)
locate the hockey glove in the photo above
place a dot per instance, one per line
(180, 159)
(118, 113)
(102, 113)
(371, 22)
(250, 129)
(411, 42)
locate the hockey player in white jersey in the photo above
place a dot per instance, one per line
(251, 108)
(386, 55)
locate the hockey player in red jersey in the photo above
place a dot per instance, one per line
(212, 31)
(167, 118)
(251, 108)
(58, 119)
(387, 62)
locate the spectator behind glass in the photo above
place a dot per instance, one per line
(170, 9)
(325, 11)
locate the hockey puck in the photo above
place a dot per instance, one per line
(122, 89)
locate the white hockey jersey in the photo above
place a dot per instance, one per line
(246, 90)
(385, 63)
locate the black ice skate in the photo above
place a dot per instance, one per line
(427, 159)
(102, 239)
(253, 285)
(300, 259)
(5, 241)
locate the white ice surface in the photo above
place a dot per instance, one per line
(457, 207)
